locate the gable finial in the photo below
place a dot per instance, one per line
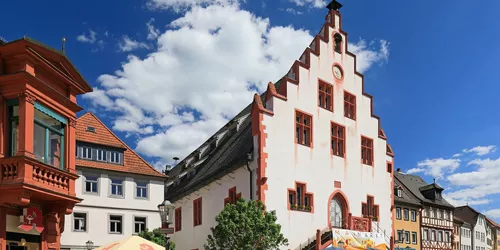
(63, 44)
(334, 5)
(434, 180)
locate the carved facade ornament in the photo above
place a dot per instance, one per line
(72, 123)
(25, 96)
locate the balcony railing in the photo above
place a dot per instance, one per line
(20, 169)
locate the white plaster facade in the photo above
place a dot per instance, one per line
(98, 207)
(479, 241)
(287, 162)
(466, 235)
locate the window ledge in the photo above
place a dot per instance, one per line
(301, 209)
(117, 196)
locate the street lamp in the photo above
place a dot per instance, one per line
(90, 245)
(165, 210)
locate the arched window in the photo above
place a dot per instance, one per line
(338, 211)
(338, 43)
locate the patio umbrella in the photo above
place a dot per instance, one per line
(132, 243)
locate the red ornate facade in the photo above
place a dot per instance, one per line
(38, 89)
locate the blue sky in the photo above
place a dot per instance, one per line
(168, 73)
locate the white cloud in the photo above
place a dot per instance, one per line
(456, 155)
(465, 201)
(367, 55)
(99, 98)
(180, 5)
(127, 44)
(293, 11)
(314, 3)
(481, 150)
(436, 167)
(494, 213)
(205, 70)
(153, 32)
(90, 38)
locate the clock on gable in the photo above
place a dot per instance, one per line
(337, 72)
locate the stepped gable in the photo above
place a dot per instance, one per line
(219, 163)
(132, 162)
(414, 184)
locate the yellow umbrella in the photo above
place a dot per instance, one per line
(132, 243)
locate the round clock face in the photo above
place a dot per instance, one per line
(337, 72)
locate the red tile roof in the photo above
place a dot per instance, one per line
(132, 162)
(492, 222)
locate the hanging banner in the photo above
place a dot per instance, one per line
(354, 240)
(31, 219)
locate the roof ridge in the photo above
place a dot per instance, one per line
(120, 140)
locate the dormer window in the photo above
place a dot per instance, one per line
(438, 195)
(399, 192)
(90, 129)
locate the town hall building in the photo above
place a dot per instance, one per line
(310, 148)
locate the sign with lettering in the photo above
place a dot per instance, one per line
(32, 218)
(354, 240)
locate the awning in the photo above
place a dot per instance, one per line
(132, 242)
(348, 239)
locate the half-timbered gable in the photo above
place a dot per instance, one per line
(437, 213)
(309, 148)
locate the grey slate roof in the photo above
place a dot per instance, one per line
(406, 196)
(467, 214)
(230, 154)
(414, 183)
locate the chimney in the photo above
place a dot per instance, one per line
(399, 170)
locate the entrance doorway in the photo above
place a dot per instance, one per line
(19, 241)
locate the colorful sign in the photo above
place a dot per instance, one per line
(32, 219)
(354, 240)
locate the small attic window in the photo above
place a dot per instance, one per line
(399, 192)
(90, 129)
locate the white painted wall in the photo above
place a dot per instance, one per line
(481, 228)
(213, 196)
(466, 237)
(99, 207)
(288, 162)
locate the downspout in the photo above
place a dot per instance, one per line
(249, 159)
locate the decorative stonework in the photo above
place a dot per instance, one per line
(25, 96)
(72, 123)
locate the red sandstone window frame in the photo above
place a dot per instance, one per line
(197, 212)
(325, 95)
(299, 199)
(178, 219)
(349, 105)
(337, 140)
(232, 197)
(303, 128)
(389, 167)
(367, 150)
(369, 208)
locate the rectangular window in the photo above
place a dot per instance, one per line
(325, 95)
(433, 235)
(101, 155)
(426, 234)
(197, 212)
(338, 139)
(48, 139)
(440, 236)
(139, 224)
(389, 169)
(367, 151)
(407, 237)
(400, 236)
(85, 153)
(115, 157)
(447, 237)
(116, 187)
(292, 197)
(14, 129)
(303, 129)
(413, 215)
(141, 189)
(398, 213)
(413, 237)
(115, 224)
(91, 184)
(79, 222)
(178, 219)
(349, 105)
(406, 215)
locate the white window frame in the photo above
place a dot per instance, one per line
(413, 215)
(400, 192)
(400, 215)
(96, 182)
(122, 185)
(115, 221)
(115, 157)
(425, 234)
(407, 237)
(80, 219)
(82, 149)
(102, 155)
(138, 186)
(145, 223)
(413, 237)
(406, 214)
